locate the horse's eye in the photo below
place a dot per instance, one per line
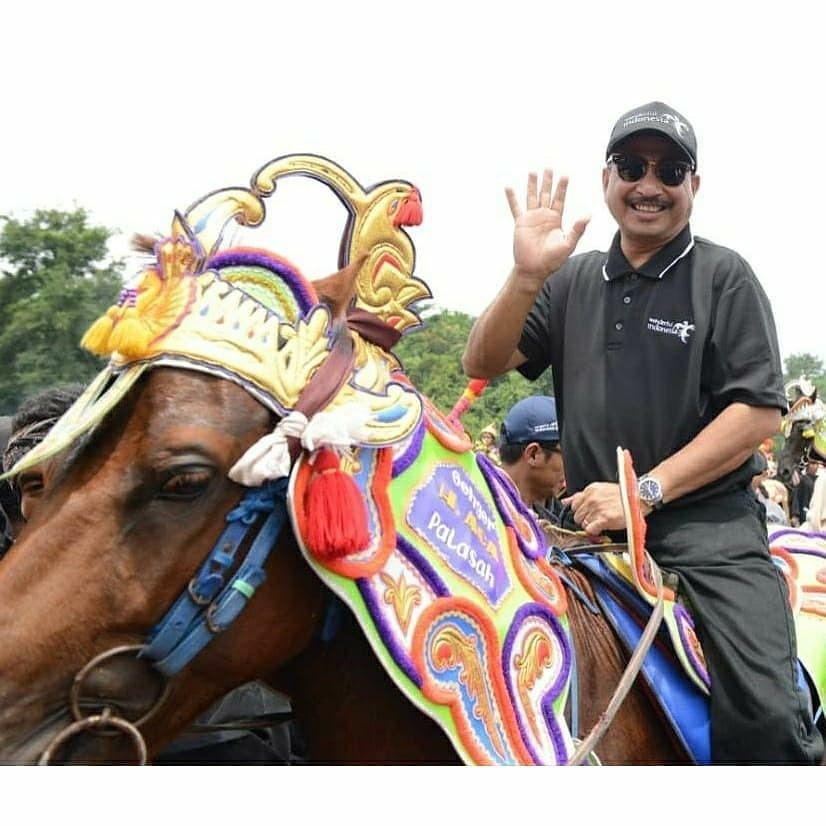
(186, 483)
(30, 484)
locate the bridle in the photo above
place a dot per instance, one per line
(211, 602)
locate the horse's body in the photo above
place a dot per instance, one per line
(117, 531)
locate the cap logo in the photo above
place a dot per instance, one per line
(679, 126)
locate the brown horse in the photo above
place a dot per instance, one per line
(117, 527)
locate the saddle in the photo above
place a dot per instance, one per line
(675, 661)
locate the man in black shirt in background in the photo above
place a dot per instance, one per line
(666, 346)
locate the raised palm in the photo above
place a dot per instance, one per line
(540, 246)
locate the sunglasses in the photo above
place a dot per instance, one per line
(632, 168)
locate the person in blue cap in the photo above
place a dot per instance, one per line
(531, 456)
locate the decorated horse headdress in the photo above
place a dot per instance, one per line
(810, 411)
(316, 353)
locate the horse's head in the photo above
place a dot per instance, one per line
(804, 429)
(133, 499)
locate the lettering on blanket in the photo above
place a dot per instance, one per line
(457, 521)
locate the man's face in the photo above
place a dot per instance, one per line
(549, 473)
(648, 212)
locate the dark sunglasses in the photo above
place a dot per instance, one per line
(632, 168)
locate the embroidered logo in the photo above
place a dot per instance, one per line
(681, 329)
(653, 116)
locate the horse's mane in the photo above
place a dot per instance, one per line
(35, 418)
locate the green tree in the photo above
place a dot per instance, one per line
(432, 358)
(55, 279)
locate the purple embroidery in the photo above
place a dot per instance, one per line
(250, 258)
(497, 480)
(411, 451)
(128, 297)
(558, 631)
(371, 600)
(684, 620)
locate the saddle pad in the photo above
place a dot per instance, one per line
(456, 598)
(684, 705)
(801, 556)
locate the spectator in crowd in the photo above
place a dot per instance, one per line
(777, 493)
(802, 493)
(774, 513)
(816, 514)
(531, 456)
(487, 443)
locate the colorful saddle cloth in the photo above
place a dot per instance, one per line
(617, 579)
(455, 595)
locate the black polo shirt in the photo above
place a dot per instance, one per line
(647, 358)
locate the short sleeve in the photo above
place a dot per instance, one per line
(744, 353)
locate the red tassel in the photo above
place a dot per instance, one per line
(336, 513)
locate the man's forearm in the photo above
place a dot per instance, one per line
(492, 346)
(723, 445)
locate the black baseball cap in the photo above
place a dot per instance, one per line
(656, 117)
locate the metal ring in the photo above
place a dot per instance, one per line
(74, 692)
(95, 721)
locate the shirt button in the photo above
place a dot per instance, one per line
(627, 299)
(634, 276)
(618, 325)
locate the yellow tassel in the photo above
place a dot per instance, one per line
(96, 338)
(131, 335)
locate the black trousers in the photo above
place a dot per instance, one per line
(719, 550)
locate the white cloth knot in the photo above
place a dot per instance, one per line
(269, 458)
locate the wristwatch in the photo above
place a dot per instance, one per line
(650, 492)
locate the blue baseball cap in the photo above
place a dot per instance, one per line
(531, 420)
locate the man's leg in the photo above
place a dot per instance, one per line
(740, 605)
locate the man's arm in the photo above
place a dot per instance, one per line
(540, 248)
(492, 346)
(723, 445)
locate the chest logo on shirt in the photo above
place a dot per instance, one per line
(681, 329)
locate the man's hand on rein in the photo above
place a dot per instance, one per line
(598, 508)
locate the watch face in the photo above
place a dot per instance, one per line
(650, 490)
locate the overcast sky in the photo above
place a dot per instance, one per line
(132, 118)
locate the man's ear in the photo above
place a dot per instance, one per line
(531, 452)
(695, 183)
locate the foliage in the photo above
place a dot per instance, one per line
(55, 279)
(432, 358)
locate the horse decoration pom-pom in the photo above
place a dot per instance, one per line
(338, 515)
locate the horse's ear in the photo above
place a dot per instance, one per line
(338, 289)
(141, 242)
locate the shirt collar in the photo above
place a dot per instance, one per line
(616, 264)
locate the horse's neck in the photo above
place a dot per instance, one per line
(638, 733)
(349, 711)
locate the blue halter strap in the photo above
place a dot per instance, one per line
(210, 603)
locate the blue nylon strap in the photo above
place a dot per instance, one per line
(208, 605)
